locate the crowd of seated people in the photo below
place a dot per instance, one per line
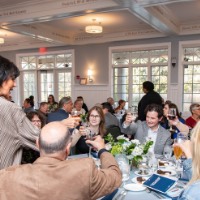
(155, 126)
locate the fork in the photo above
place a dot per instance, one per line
(123, 195)
(119, 195)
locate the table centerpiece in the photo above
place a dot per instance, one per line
(133, 149)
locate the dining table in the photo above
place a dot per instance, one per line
(145, 193)
(141, 194)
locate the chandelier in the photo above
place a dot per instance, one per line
(94, 28)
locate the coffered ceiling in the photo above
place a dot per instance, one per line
(46, 23)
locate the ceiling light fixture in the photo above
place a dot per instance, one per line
(1, 41)
(94, 28)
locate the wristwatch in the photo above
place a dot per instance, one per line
(101, 151)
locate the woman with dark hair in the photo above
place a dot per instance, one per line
(175, 126)
(96, 121)
(52, 104)
(120, 107)
(30, 155)
(16, 130)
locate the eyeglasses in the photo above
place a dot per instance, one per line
(94, 116)
(36, 121)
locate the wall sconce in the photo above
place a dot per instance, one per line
(89, 73)
(173, 61)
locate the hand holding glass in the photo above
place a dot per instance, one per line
(172, 113)
(177, 150)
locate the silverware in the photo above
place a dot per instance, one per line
(157, 195)
(119, 195)
(124, 195)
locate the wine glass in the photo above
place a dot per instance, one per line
(90, 136)
(172, 115)
(75, 113)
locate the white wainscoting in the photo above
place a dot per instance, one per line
(92, 94)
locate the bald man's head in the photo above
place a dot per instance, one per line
(54, 138)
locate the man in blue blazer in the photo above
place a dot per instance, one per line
(64, 109)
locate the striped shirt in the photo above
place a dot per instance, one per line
(16, 132)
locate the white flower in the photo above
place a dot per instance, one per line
(130, 157)
(108, 146)
(137, 151)
(121, 137)
(126, 145)
(135, 141)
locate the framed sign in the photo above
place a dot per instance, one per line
(83, 81)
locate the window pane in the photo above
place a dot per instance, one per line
(64, 84)
(29, 84)
(138, 62)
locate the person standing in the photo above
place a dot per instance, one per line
(150, 97)
(16, 129)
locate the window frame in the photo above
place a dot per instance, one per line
(182, 45)
(55, 72)
(135, 48)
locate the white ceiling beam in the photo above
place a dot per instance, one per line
(40, 12)
(42, 32)
(25, 20)
(145, 3)
(156, 19)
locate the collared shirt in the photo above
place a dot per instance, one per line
(152, 135)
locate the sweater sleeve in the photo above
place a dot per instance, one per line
(107, 179)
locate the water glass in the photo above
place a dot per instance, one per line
(168, 152)
(124, 166)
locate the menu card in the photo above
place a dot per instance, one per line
(163, 184)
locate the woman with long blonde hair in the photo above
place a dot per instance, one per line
(192, 165)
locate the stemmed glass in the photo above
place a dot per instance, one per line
(172, 115)
(75, 113)
(89, 136)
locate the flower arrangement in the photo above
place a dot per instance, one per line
(131, 148)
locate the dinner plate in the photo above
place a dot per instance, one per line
(134, 187)
(135, 179)
(165, 172)
(138, 173)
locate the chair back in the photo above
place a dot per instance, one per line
(114, 130)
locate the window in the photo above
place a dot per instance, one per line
(191, 74)
(131, 68)
(46, 74)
